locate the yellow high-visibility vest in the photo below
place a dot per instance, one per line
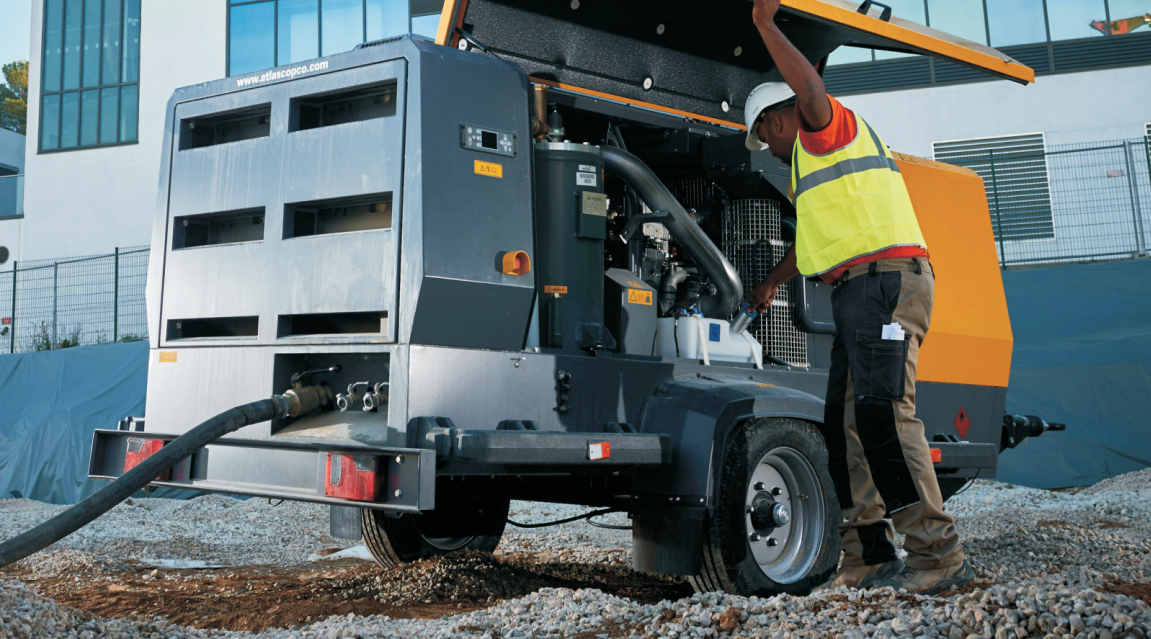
(849, 203)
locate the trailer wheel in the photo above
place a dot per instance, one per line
(773, 529)
(473, 523)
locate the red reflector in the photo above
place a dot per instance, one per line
(599, 450)
(936, 455)
(353, 477)
(962, 423)
(141, 449)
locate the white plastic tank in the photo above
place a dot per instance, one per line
(708, 339)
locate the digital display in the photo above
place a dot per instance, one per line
(489, 139)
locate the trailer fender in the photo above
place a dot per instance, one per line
(697, 412)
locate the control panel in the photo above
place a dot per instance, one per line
(477, 139)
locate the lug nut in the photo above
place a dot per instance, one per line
(777, 491)
(753, 537)
(771, 541)
(758, 485)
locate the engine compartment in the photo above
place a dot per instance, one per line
(733, 196)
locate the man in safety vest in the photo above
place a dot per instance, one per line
(856, 230)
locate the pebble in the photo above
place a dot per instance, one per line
(1044, 559)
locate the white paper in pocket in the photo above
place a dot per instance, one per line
(893, 331)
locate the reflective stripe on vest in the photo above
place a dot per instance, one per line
(849, 203)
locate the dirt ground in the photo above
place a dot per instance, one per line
(287, 596)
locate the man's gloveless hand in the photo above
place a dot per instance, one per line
(763, 12)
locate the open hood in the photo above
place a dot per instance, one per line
(701, 58)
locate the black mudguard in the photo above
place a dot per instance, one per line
(697, 412)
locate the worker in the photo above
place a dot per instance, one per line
(857, 231)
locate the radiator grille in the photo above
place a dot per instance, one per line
(752, 242)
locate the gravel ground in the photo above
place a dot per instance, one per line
(1060, 564)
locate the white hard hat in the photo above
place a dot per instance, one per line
(762, 97)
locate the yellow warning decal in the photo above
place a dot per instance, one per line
(631, 283)
(556, 289)
(767, 385)
(490, 169)
(168, 357)
(638, 297)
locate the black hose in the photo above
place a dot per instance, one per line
(545, 524)
(729, 289)
(107, 497)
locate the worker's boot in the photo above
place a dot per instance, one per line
(854, 576)
(929, 582)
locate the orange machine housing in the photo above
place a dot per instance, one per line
(970, 338)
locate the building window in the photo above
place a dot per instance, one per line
(1014, 172)
(91, 73)
(269, 33)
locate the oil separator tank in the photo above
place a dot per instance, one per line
(571, 225)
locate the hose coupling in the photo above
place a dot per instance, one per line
(352, 399)
(377, 397)
(302, 400)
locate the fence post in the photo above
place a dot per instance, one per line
(1139, 249)
(998, 218)
(55, 298)
(15, 269)
(116, 297)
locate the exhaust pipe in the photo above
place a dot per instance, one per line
(685, 231)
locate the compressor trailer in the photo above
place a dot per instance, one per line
(508, 264)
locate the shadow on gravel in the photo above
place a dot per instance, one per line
(254, 598)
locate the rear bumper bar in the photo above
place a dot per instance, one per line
(286, 469)
(965, 459)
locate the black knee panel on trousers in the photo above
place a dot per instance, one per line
(881, 446)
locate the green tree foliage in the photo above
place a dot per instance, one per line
(14, 96)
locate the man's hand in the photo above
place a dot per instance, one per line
(763, 294)
(763, 13)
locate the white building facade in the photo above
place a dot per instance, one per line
(102, 72)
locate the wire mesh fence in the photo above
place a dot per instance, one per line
(51, 304)
(1069, 203)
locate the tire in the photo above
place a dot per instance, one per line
(806, 546)
(471, 523)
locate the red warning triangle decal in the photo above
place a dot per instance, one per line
(962, 423)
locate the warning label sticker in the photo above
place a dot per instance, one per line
(585, 179)
(587, 168)
(562, 290)
(638, 297)
(168, 356)
(490, 169)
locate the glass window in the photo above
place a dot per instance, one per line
(297, 31)
(1016, 22)
(72, 34)
(89, 117)
(427, 25)
(849, 55)
(342, 25)
(109, 108)
(913, 10)
(1128, 15)
(1070, 19)
(253, 37)
(91, 43)
(53, 42)
(91, 66)
(131, 41)
(111, 42)
(128, 106)
(50, 122)
(69, 119)
(963, 18)
(387, 18)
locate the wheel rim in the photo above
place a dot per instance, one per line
(447, 544)
(784, 541)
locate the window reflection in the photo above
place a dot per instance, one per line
(342, 25)
(253, 37)
(387, 18)
(1129, 15)
(963, 18)
(1071, 19)
(1016, 22)
(298, 30)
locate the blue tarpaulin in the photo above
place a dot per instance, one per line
(51, 402)
(1083, 357)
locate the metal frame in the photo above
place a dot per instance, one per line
(99, 88)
